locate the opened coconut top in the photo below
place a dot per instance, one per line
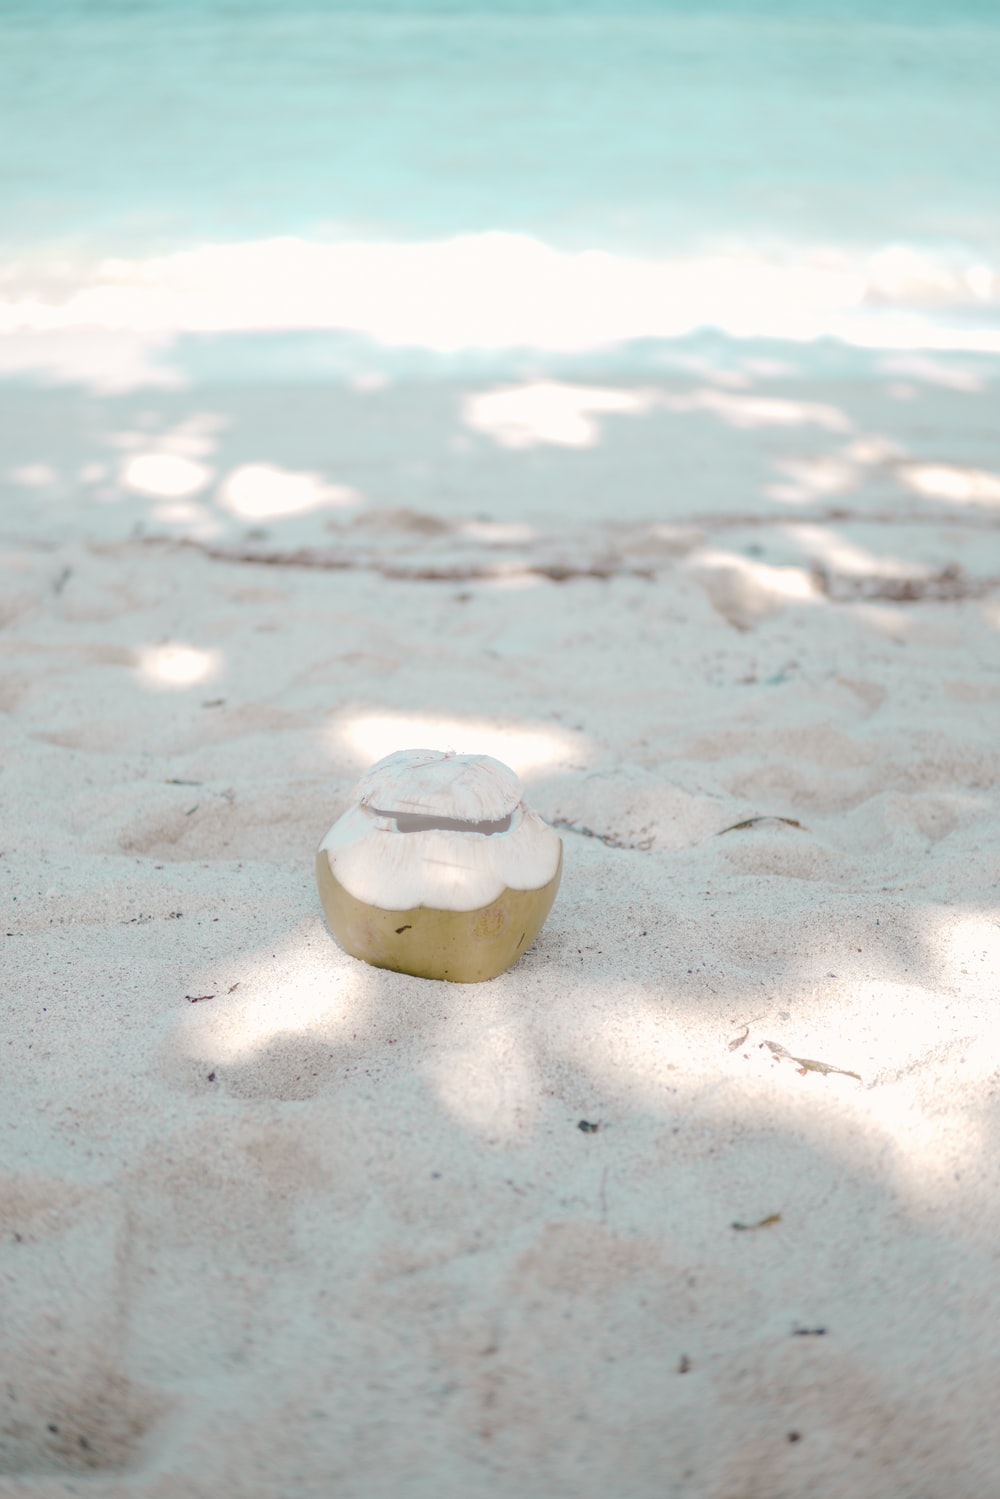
(423, 789)
(470, 835)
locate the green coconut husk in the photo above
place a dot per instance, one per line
(464, 947)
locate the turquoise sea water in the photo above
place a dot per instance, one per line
(862, 137)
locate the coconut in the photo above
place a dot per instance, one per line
(438, 868)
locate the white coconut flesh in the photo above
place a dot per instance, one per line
(444, 831)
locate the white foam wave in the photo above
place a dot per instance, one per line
(497, 291)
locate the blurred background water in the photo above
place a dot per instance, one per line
(722, 162)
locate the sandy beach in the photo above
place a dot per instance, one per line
(279, 1225)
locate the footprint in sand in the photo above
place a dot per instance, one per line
(67, 1404)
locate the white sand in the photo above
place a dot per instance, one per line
(330, 1231)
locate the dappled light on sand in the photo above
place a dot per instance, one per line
(176, 665)
(819, 476)
(760, 411)
(489, 1083)
(930, 371)
(745, 591)
(638, 1045)
(973, 944)
(168, 475)
(946, 481)
(565, 415)
(547, 411)
(861, 1075)
(306, 987)
(34, 475)
(104, 361)
(838, 554)
(263, 492)
(192, 517)
(370, 736)
(925, 1151)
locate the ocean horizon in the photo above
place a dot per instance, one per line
(470, 176)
